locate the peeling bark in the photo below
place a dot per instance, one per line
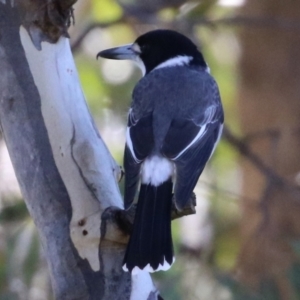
(66, 174)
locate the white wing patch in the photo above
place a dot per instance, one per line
(218, 139)
(209, 116)
(130, 146)
(196, 138)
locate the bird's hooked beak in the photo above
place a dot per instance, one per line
(129, 51)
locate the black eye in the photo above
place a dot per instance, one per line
(144, 48)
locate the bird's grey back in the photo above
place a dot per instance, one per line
(173, 92)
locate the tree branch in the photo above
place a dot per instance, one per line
(124, 218)
(259, 22)
(250, 21)
(66, 173)
(244, 149)
(272, 177)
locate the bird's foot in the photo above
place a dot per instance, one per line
(189, 208)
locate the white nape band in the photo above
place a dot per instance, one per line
(180, 60)
(156, 170)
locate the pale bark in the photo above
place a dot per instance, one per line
(66, 174)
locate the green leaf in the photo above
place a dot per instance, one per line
(106, 10)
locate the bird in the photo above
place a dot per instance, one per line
(175, 121)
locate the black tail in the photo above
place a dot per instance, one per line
(151, 240)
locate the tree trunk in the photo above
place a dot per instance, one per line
(270, 117)
(66, 174)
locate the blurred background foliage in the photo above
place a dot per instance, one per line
(210, 244)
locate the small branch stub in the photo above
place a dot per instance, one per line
(46, 20)
(121, 221)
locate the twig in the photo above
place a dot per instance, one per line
(271, 175)
(124, 218)
(244, 149)
(260, 22)
(272, 22)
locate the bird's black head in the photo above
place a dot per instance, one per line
(158, 48)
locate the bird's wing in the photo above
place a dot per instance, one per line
(189, 144)
(139, 144)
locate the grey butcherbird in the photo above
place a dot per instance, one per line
(174, 123)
